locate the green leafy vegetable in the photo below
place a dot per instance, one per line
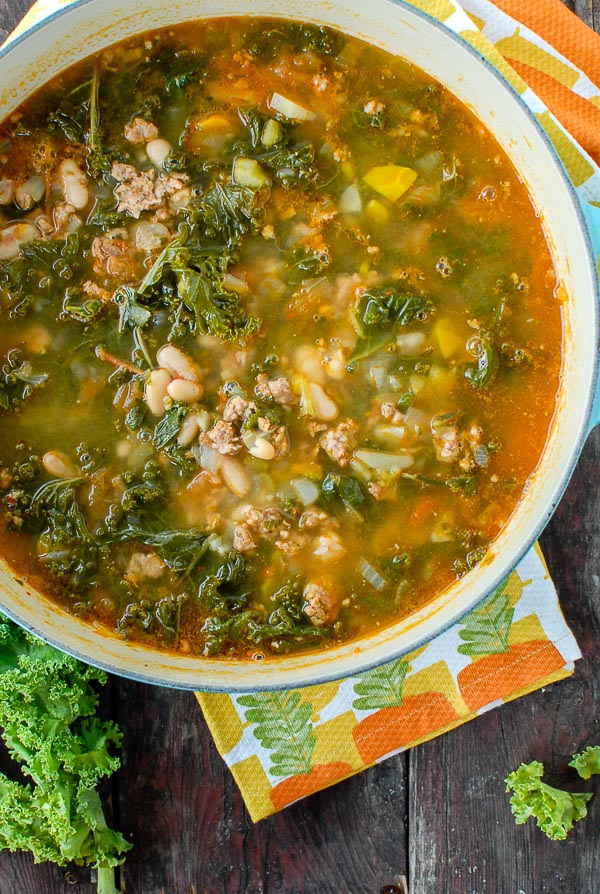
(554, 810)
(198, 302)
(379, 312)
(587, 763)
(47, 714)
(18, 381)
(345, 487)
(481, 373)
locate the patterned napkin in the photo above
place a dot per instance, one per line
(282, 746)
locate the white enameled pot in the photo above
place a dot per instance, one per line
(89, 25)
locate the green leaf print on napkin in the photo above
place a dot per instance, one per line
(284, 728)
(381, 687)
(487, 627)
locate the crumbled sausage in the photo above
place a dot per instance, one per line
(280, 441)
(222, 437)
(448, 447)
(329, 547)
(339, 442)
(242, 538)
(374, 107)
(93, 290)
(62, 214)
(289, 543)
(238, 408)
(278, 390)
(145, 566)
(111, 253)
(143, 190)
(390, 412)
(266, 522)
(312, 518)
(319, 604)
(140, 131)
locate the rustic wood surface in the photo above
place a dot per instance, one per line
(436, 816)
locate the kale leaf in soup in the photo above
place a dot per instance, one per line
(280, 343)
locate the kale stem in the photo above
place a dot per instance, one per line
(103, 354)
(106, 880)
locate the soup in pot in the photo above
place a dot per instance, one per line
(280, 341)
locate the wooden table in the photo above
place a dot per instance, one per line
(436, 816)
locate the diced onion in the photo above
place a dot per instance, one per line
(411, 343)
(306, 490)
(371, 575)
(350, 201)
(384, 462)
(290, 109)
(380, 380)
(210, 459)
(481, 456)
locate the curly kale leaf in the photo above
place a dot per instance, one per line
(18, 381)
(187, 277)
(587, 763)
(378, 314)
(554, 810)
(48, 705)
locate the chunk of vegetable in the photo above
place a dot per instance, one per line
(290, 109)
(449, 342)
(554, 810)
(248, 172)
(48, 703)
(390, 181)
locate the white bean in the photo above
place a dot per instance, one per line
(58, 464)
(329, 547)
(190, 428)
(325, 408)
(7, 191)
(11, 239)
(184, 390)
(30, 192)
(150, 235)
(177, 363)
(235, 476)
(74, 184)
(262, 449)
(158, 151)
(155, 391)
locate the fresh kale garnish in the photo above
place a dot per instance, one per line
(554, 810)
(48, 704)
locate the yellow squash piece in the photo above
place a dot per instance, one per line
(448, 340)
(390, 181)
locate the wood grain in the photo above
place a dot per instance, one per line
(437, 815)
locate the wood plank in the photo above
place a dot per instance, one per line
(180, 805)
(468, 842)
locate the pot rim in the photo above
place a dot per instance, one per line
(302, 675)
